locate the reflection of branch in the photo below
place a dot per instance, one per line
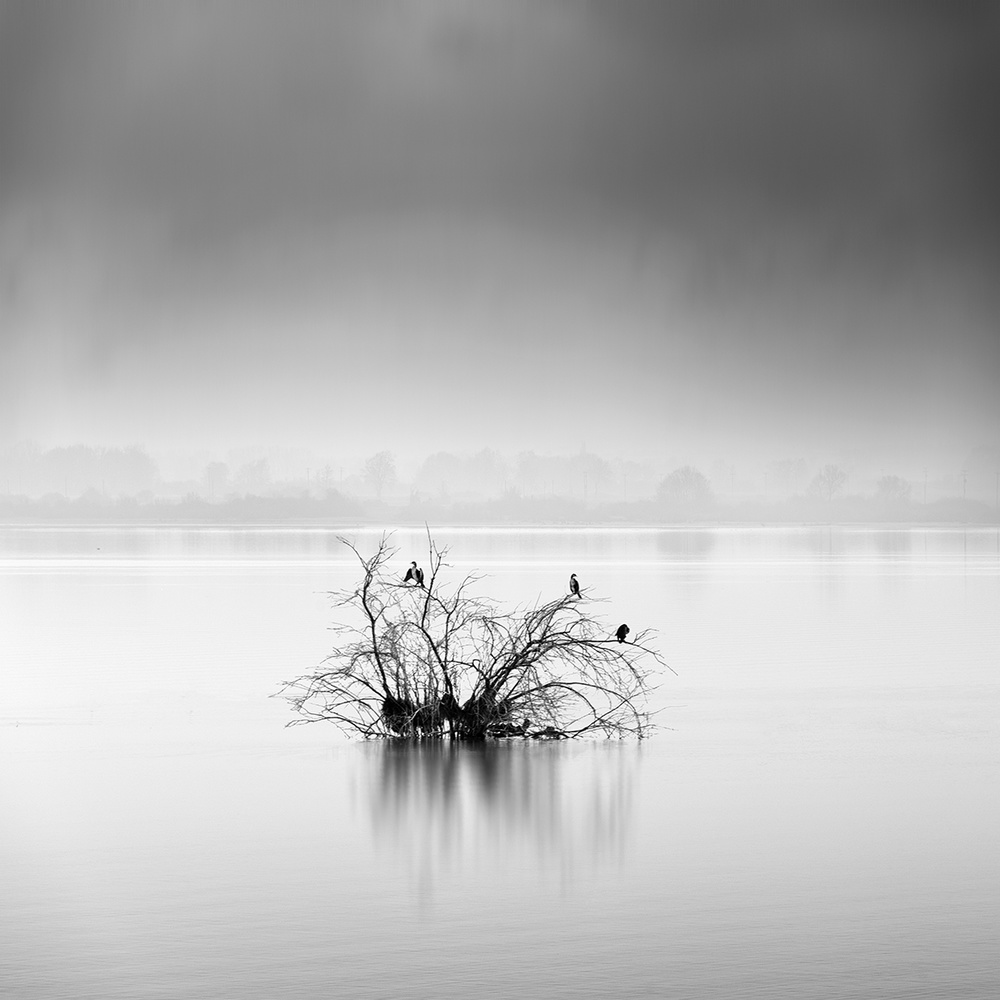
(436, 798)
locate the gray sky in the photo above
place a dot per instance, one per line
(691, 229)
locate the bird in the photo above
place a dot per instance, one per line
(414, 573)
(574, 585)
(623, 630)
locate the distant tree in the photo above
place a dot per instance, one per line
(685, 485)
(580, 475)
(828, 481)
(590, 475)
(215, 479)
(489, 472)
(443, 473)
(92, 498)
(126, 469)
(380, 471)
(440, 473)
(80, 467)
(893, 489)
(530, 473)
(253, 476)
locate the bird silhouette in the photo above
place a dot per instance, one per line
(623, 630)
(574, 585)
(414, 573)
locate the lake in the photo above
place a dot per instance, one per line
(817, 815)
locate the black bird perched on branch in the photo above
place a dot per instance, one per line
(574, 585)
(414, 573)
(623, 630)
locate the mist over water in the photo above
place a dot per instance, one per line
(811, 819)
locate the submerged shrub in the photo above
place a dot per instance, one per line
(436, 660)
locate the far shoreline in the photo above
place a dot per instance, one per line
(386, 524)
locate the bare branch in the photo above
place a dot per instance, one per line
(442, 661)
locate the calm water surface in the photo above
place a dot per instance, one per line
(818, 816)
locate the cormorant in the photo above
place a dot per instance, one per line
(574, 585)
(623, 630)
(414, 573)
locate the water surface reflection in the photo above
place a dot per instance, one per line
(440, 807)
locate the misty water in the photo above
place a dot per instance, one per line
(816, 817)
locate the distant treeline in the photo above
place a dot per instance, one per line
(124, 484)
(511, 509)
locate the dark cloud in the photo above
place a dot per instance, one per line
(801, 191)
(805, 110)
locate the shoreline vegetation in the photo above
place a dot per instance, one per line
(85, 485)
(337, 508)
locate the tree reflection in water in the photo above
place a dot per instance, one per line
(442, 806)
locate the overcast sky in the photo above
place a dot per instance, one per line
(690, 229)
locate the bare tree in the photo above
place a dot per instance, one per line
(253, 477)
(893, 490)
(828, 481)
(685, 485)
(380, 471)
(442, 661)
(215, 478)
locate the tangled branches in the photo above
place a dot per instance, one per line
(435, 661)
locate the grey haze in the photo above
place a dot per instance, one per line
(695, 229)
